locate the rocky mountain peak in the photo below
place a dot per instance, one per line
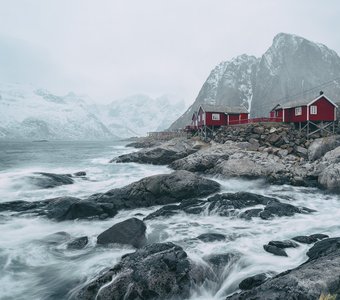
(290, 66)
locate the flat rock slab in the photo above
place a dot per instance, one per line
(154, 190)
(309, 239)
(283, 244)
(158, 190)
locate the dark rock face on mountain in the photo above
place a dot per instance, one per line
(157, 271)
(291, 65)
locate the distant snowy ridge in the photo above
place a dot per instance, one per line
(30, 113)
(291, 65)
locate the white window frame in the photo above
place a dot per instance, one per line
(203, 117)
(313, 110)
(216, 117)
(298, 111)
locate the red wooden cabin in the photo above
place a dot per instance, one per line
(218, 115)
(320, 109)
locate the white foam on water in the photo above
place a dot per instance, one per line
(33, 268)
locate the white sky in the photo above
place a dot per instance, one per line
(110, 49)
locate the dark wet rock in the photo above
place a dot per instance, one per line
(251, 213)
(158, 190)
(324, 247)
(283, 244)
(80, 174)
(162, 154)
(19, 206)
(165, 211)
(157, 271)
(224, 204)
(78, 243)
(211, 237)
(50, 180)
(309, 239)
(70, 208)
(319, 275)
(253, 281)
(280, 209)
(319, 236)
(149, 191)
(192, 206)
(128, 232)
(275, 250)
(144, 143)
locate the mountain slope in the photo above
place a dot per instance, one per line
(30, 113)
(291, 65)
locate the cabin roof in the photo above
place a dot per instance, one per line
(302, 102)
(224, 109)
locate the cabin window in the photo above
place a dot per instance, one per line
(215, 117)
(276, 113)
(298, 111)
(203, 117)
(313, 110)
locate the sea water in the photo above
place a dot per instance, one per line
(34, 266)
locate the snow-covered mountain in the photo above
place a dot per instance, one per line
(30, 113)
(139, 114)
(291, 65)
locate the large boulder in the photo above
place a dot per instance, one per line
(162, 154)
(157, 271)
(319, 275)
(323, 248)
(330, 177)
(320, 147)
(129, 232)
(158, 190)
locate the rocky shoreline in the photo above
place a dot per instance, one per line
(164, 270)
(276, 153)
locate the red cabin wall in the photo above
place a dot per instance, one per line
(291, 117)
(325, 110)
(234, 119)
(211, 122)
(272, 114)
(244, 116)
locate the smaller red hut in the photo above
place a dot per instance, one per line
(218, 115)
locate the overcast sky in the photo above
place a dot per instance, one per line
(110, 49)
